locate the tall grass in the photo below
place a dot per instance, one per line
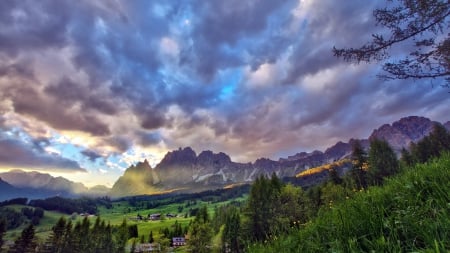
(410, 213)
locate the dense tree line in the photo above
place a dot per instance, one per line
(15, 201)
(68, 206)
(82, 236)
(212, 196)
(14, 218)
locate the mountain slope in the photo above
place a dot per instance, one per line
(136, 180)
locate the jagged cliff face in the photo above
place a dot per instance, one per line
(401, 133)
(185, 170)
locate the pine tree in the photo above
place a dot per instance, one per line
(26, 243)
(231, 238)
(150, 237)
(261, 207)
(382, 161)
(2, 232)
(333, 176)
(56, 240)
(68, 246)
(121, 237)
(421, 26)
(359, 165)
(200, 235)
(406, 158)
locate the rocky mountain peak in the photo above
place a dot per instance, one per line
(404, 131)
(209, 158)
(180, 156)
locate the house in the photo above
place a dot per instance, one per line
(171, 215)
(178, 241)
(147, 247)
(154, 216)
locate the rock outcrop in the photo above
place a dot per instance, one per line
(401, 133)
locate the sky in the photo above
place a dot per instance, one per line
(90, 87)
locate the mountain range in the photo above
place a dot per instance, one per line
(33, 185)
(184, 170)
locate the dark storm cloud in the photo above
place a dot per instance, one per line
(222, 26)
(15, 153)
(26, 25)
(328, 24)
(25, 100)
(91, 155)
(149, 139)
(177, 70)
(67, 93)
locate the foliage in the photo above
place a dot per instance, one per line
(422, 24)
(2, 231)
(260, 210)
(200, 232)
(408, 214)
(432, 145)
(26, 243)
(382, 161)
(359, 166)
(16, 201)
(12, 217)
(68, 206)
(231, 236)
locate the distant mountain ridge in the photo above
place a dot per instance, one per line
(184, 170)
(40, 185)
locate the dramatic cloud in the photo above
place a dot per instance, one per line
(102, 84)
(17, 154)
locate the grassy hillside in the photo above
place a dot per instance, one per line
(42, 230)
(410, 213)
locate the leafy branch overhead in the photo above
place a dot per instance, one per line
(422, 26)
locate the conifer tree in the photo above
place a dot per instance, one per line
(2, 232)
(150, 237)
(231, 238)
(359, 165)
(200, 232)
(121, 237)
(26, 243)
(56, 240)
(382, 161)
(261, 210)
(406, 157)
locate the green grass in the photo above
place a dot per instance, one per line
(410, 213)
(42, 229)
